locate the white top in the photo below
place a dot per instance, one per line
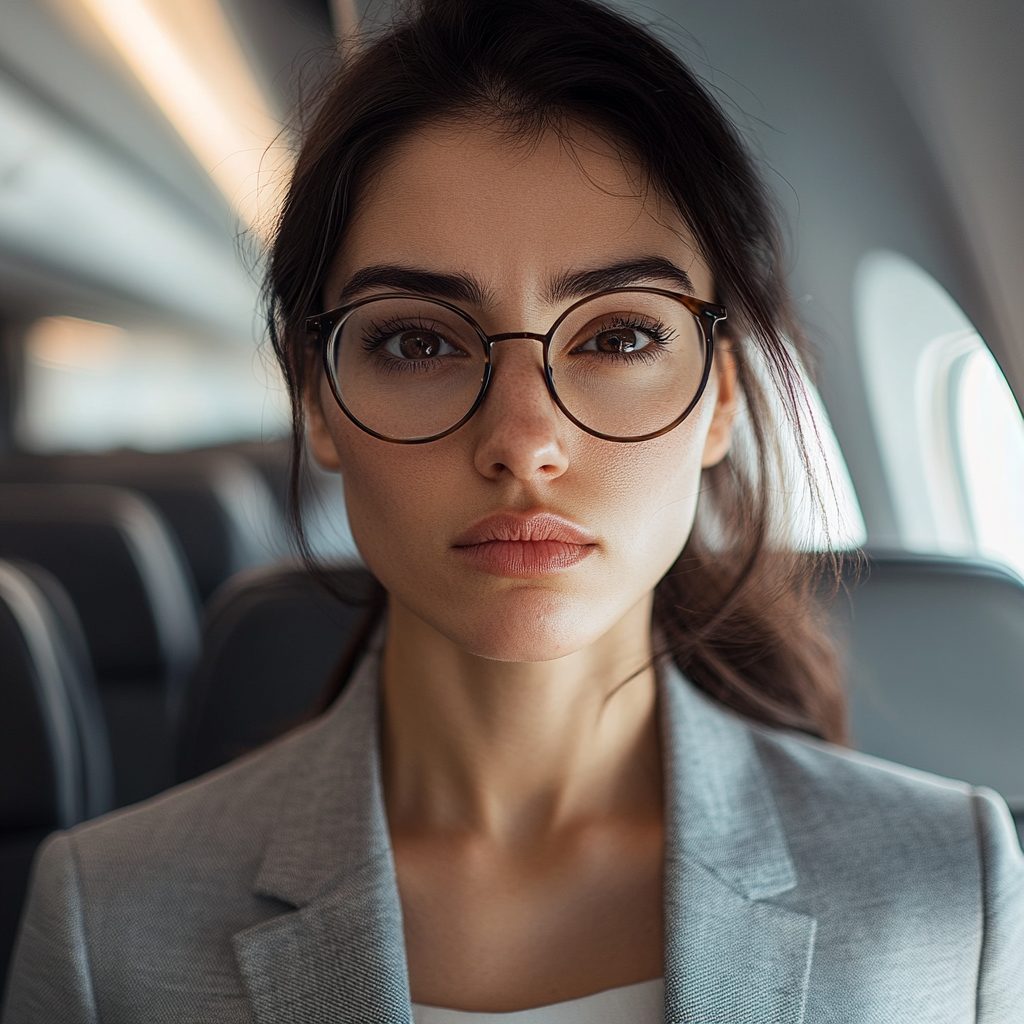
(643, 1003)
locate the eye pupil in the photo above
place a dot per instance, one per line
(419, 344)
(622, 339)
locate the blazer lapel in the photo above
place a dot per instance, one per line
(731, 955)
(339, 956)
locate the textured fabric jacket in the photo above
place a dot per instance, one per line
(802, 883)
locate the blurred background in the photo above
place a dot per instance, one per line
(141, 160)
(143, 152)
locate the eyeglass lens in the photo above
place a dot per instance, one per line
(625, 364)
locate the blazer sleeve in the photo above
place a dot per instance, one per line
(1001, 971)
(50, 980)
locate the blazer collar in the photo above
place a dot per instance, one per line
(339, 955)
(730, 955)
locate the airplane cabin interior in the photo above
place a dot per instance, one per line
(154, 620)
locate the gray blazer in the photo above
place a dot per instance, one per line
(802, 883)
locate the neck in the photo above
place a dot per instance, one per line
(515, 750)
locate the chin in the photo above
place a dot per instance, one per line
(525, 625)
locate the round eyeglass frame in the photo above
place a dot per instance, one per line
(327, 326)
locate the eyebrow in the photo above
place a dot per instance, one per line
(463, 288)
(619, 275)
(454, 287)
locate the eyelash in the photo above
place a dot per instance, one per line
(659, 334)
(383, 332)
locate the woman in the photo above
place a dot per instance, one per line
(499, 295)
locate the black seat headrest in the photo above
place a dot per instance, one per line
(271, 640)
(55, 765)
(218, 503)
(115, 556)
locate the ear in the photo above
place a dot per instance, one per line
(719, 437)
(321, 441)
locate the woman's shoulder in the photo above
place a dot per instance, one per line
(219, 821)
(162, 885)
(850, 776)
(939, 861)
(848, 802)
(152, 898)
(812, 781)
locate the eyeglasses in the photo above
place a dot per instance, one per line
(624, 365)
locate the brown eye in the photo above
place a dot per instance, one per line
(419, 344)
(622, 339)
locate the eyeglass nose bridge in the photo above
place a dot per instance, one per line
(544, 339)
(523, 336)
(513, 335)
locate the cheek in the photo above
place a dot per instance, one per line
(654, 493)
(381, 481)
(400, 499)
(655, 486)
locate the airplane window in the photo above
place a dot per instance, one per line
(990, 431)
(950, 433)
(91, 386)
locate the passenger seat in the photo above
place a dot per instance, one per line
(121, 565)
(272, 638)
(935, 652)
(218, 503)
(54, 760)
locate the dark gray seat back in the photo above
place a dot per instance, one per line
(119, 562)
(272, 639)
(217, 502)
(936, 667)
(55, 767)
(935, 658)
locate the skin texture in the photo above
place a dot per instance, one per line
(522, 775)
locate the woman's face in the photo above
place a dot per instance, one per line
(449, 526)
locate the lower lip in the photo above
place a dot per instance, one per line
(519, 558)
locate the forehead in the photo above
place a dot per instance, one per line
(464, 199)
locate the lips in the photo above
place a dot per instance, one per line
(519, 545)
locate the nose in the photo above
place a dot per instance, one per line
(519, 429)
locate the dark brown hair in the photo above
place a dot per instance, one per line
(738, 610)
